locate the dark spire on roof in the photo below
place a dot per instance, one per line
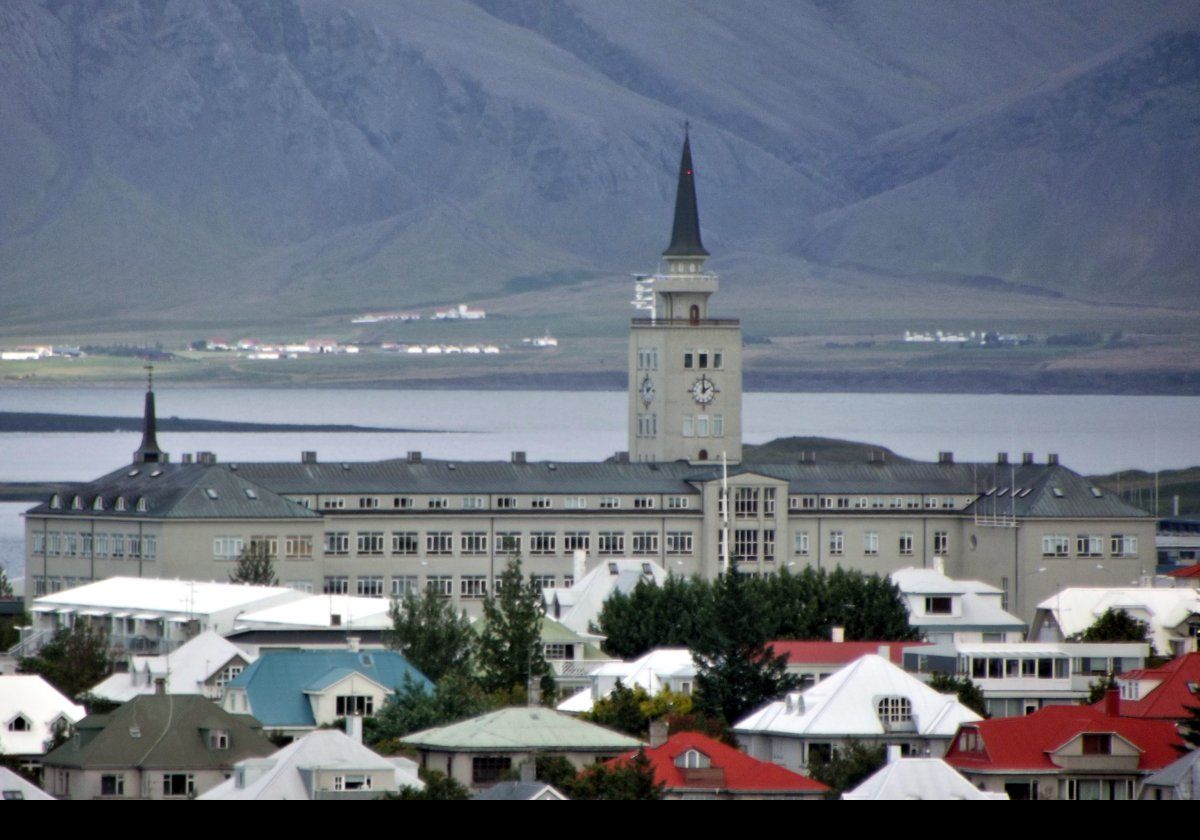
(148, 452)
(685, 234)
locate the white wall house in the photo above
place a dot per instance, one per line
(31, 712)
(1173, 614)
(947, 610)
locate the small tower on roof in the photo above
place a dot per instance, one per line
(148, 452)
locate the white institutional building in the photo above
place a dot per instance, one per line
(408, 523)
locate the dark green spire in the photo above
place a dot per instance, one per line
(685, 234)
(148, 452)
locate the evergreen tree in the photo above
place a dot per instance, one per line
(622, 710)
(849, 765)
(435, 639)
(6, 590)
(630, 779)
(255, 565)
(1099, 688)
(413, 707)
(967, 692)
(1189, 729)
(1115, 626)
(73, 661)
(652, 616)
(735, 669)
(438, 786)
(511, 655)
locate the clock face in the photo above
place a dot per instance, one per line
(647, 390)
(703, 390)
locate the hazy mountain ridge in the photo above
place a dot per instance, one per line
(185, 161)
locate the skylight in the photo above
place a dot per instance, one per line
(210, 492)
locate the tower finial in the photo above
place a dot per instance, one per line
(685, 232)
(148, 452)
(149, 368)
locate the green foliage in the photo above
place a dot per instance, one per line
(806, 605)
(556, 770)
(510, 645)
(968, 693)
(9, 634)
(630, 779)
(435, 639)
(735, 670)
(437, 786)
(6, 590)
(412, 708)
(1189, 729)
(1099, 688)
(73, 661)
(850, 764)
(256, 566)
(622, 710)
(1115, 626)
(97, 705)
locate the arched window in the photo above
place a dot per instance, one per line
(55, 502)
(703, 456)
(76, 503)
(120, 505)
(893, 710)
(141, 504)
(694, 314)
(98, 503)
(19, 724)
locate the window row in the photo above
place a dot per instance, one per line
(377, 586)
(474, 543)
(703, 425)
(703, 359)
(647, 427)
(800, 503)
(1089, 545)
(116, 546)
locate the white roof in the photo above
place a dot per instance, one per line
(981, 602)
(917, 581)
(160, 596)
(279, 776)
(580, 604)
(317, 611)
(185, 669)
(652, 671)
(918, 778)
(845, 705)
(10, 782)
(41, 704)
(1075, 609)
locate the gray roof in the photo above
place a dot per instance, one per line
(517, 791)
(1177, 772)
(1051, 492)
(177, 491)
(521, 729)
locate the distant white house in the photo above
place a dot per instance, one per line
(1173, 614)
(661, 668)
(324, 764)
(461, 312)
(31, 712)
(949, 611)
(13, 787)
(870, 700)
(203, 665)
(917, 778)
(578, 606)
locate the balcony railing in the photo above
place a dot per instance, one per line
(682, 323)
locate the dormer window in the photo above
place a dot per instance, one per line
(98, 503)
(939, 605)
(20, 724)
(120, 504)
(894, 710)
(1097, 743)
(76, 503)
(55, 502)
(141, 504)
(693, 760)
(218, 739)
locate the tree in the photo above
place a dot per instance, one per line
(435, 639)
(621, 779)
(1099, 688)
(622, 710)
(968, 693)
(511, 655)
(652, 616)
(735, 669)
(6, 590)
(414, 707)
(849, 765)
(73, 661)
(1115, 626)
(437, 786)
(1189, 729)
(255, 565)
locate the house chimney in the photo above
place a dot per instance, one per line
(534, 694)
(621, 457)
(187, 457)
(1027, 459)
(529, 771)
(939, 564)
(335, 620)
(352, 643)
(579, 564)
(658, 732)
(354, 728)
(1052, 459)
(414, 456)
(518, 457)
(308, 456)
(1112, 702)
(837, 635)
(894, 753)
(160, 685)
(885, 651)
(945, 457)
(1001, 457)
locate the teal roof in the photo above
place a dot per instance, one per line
(276, 682)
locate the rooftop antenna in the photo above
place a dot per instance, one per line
(149, 368)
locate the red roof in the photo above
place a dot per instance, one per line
(838, 653)
(1170, 699)
(1025, 743)
(1192, 571)
(741, 772)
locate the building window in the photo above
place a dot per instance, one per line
(1055, 546)
(689, 359)
(689, 428)
(405, 542)
(403, 585)
(473, 586)
(643, 502)
(337, 543)
(224, 548)
(677, 502)
(335, 503)
(542, 581)
(473, 502)
(474, 542)
(336, 585)
(112, 784)
(1089, 545)
(226, 674)
(577, 541)
(939, 605)
(1124, 545)
(370, 543)
(768, 544)
(178, 784)
(745, 502)
(800, 542)
(745, 544)
(1097, 743)
(543, 542)
(645, 542)
(361, 705)
(218, 739)
(575, 502)
(906, 544)
(871, 542)
(368, 502)
(357, 781)
(647, 358)
(894, 710)
(610, 502)
(486, 769)
(941, 542)
(298, 547)
(402, 502)
(371, 587)
(611, 542)
(837, 542)
(438, 502)
(508, 542)
(439, 542)
(506, 502)
(540, 502)
(442, 585)
(679, 542)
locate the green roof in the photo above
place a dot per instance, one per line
(161, 731)
(520, 729)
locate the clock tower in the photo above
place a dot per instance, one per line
(685, 368)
